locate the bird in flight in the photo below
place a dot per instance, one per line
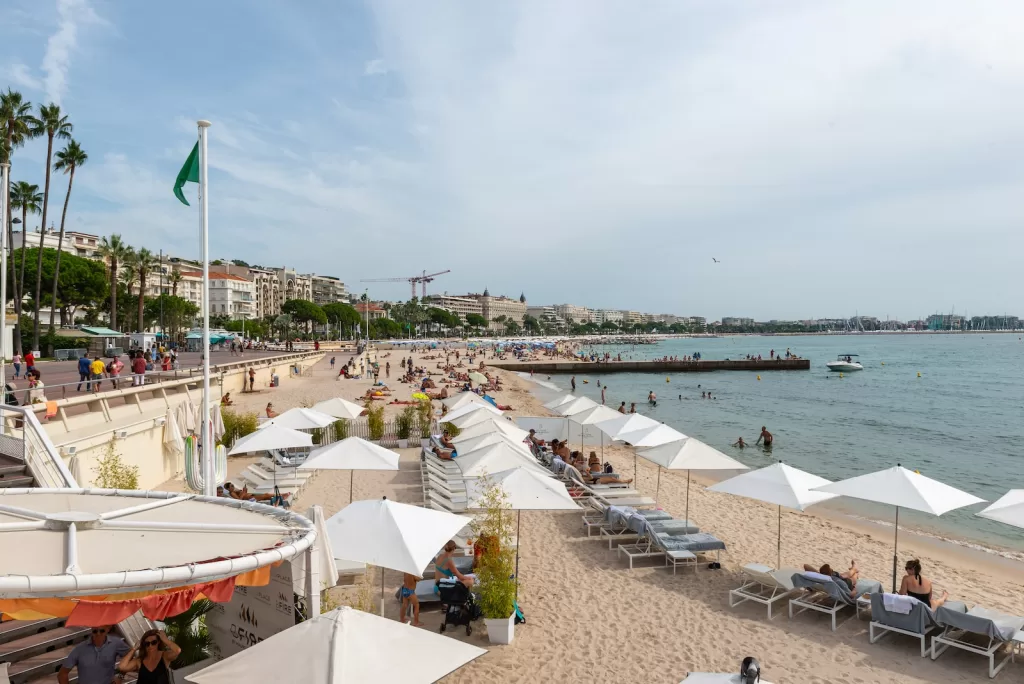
(715, 260)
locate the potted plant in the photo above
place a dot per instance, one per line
(495, 569)
(375, 421)
(340, 429)
(404, 424)
(426, 420)
(318, 436)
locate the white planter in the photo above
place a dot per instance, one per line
(403, 444)
(425, 442)
(500, 631)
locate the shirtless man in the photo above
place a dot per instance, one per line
(443, 455)
(766, 436)
(446, 441)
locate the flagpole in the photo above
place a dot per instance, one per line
(209, 486)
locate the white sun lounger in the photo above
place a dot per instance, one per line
(917, 623)
(764, 585)
(979, 630)
(825, 595)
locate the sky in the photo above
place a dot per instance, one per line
(850, 157)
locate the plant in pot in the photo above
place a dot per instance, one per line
(495, 568)
(426, 420)
(318, 436)
(375, 422)
(340, 429)
(404, 424)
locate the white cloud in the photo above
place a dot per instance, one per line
(59, 47)
(375, 67)
(21, 75)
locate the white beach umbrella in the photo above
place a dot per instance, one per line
(525, 490)
(340, 408)
(591, 416)
(391, 535)
(463, 398)
(326, 565)
(564, 399)
(777, 484)
(902, 488)
(688, 454)
(299, 418)
(577, 405)
(351, 454)
(480, 441)
(470, 419)
(467, 409)
(625, 423)
(652, 436)
(272, 438)
(494, 459)
(173, 440)
(1008, 509)
(486, 427)
(344, 646)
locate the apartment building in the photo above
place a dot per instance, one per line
(460, 306)
(494, 307)
(577, 314)
(328, 290)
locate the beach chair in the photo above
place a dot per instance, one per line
(826, 595)
(699, 543)
(633, 525)
(918, 621)
(978, 630)
(764, 585)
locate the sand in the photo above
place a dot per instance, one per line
(591, 619)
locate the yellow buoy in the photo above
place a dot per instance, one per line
(918, 373)
(667, 379)
(758, 377)
(883, 363)
(840, 375)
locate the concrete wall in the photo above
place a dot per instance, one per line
(655, 366)
(92, 424)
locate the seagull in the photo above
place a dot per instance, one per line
(715, 260)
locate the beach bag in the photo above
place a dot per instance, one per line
(520, 617)
(750, 671)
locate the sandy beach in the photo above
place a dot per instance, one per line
(592, 619)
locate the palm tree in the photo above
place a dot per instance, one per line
(113, 250)
(129, 273)
(24, 196)
(68, 159)
(52, 124)
(145, 262)
(174, 277)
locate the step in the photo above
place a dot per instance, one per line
(43, 642)
(16, 481)
(15, 629)
(38, 665)
(12, 469)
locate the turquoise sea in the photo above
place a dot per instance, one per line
(960, 422)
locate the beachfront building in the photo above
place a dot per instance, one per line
(190, 287)
(232, 295)
(945, 322)
(79, 244)
(328, 290)
(266, 291)
(607, 316)
(631, 318)
(574, 313)
(496, 307)
(736, 321)
(460, 306)
(294, 285)
(547, 316)
(370, 310)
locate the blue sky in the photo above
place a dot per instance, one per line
(837, 157)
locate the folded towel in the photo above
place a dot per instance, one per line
(897, 603)
(817, 577)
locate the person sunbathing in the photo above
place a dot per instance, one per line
(243, 494)
(446, 440)
(919, 587)
(271, 413)
(445, 455)
(608, 476)
(850, 577)
(594, 463)
(226, 399)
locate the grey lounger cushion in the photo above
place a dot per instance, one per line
(702, 541)
(837, 590)
(919, 620)
(991, 623)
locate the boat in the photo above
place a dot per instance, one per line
(845, 363)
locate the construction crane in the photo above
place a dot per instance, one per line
(422, 279)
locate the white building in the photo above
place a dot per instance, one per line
(79, 244)
(577, 314)
(328, 290)
(607, 315)
(460, 306)
(231, 295)
(547, 316)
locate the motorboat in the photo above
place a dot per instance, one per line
(845, 363)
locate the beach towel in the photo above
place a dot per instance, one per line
(897, 603)
(702, 541)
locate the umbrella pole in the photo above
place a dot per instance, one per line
(351, 478)
(658, 490)
(778, 549)
(382, 591)
(687, 518)
(634, 467)
(519, 516)
(895, 549)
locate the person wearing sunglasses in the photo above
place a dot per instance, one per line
(152, 659)
(96, 658)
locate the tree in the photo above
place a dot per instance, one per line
(52, 124)
(344, 316)
(476, 320)
(174, 277)
(384, 328)
(145, 262)
(178, 313)
(68, 159)
(239, 262)
(16, 124)
(283, 323)
(24, 196)
(82, 282)
(304, 311)
(609, 326)
(511, 327)
(113, 251)
(129, 274)
(531, 323)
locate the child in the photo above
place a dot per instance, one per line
(409, 596)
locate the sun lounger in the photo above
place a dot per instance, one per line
(919, 622)
(262, 479)
(826, 595)
(635, 525)
(764, 585)
(979, 630)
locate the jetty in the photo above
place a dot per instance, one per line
(552, 367)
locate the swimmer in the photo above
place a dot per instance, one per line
(766, 436)
(739, 443)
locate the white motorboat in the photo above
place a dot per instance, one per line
(845, 363)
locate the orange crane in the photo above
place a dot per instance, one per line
(422, 279)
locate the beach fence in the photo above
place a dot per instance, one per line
(360, 427)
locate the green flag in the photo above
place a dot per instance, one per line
(189, 174)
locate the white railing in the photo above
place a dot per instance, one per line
(37, 451)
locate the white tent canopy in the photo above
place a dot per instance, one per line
(271, 438)
(299, 418)
(525, 490)
(1009, 509)
(487, 427)
(625, 422)
(494, 459)
(651, 436)
(469, 408)
(902, 488)
(80, 542)
(344, 646)
(469, 419)
(339, 408)
(777, 484)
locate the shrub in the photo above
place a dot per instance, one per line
(426, 417)
(406, 419)
(113, 473)
(237, 425)
(340, 429)
(375, 420)
(318, 436)
(496, 567)
(450, 428)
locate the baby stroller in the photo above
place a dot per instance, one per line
(460, 605)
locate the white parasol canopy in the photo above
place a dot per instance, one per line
(625, 422)
(463, 398)
(327, 566)
(271, 438)
(564, 399)
(777, 484)
(468, 446)
(468, 409)
(299, 418)
(344, 646)
(577, 405)
(339, 408)
(173, 440)
(487, 427)
(1008, 509)
(495, 458)
(652, 436)
(688, 454)
(469, 419)
(902, 488)
(81, 542)
(351, 454)
(526, 490)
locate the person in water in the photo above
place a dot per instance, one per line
(766, 436)
(652, 398)
(740, 443)
(919, 587)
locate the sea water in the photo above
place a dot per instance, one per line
(961, 422)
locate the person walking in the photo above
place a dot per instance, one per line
(97, 369)
(84, 369)
(573, 383)
(16, 360)
(252, 378)
(387, 370)
(30, 360)
(602, 394)
(152, 659)
(332, 364)
(138, 370)
(114, 369)
(95, 659)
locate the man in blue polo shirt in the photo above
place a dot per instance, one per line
(83, 373)
(96, 659)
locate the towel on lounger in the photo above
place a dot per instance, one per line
(898, 603)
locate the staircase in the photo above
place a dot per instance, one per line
(35, 649)
(14, 473)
